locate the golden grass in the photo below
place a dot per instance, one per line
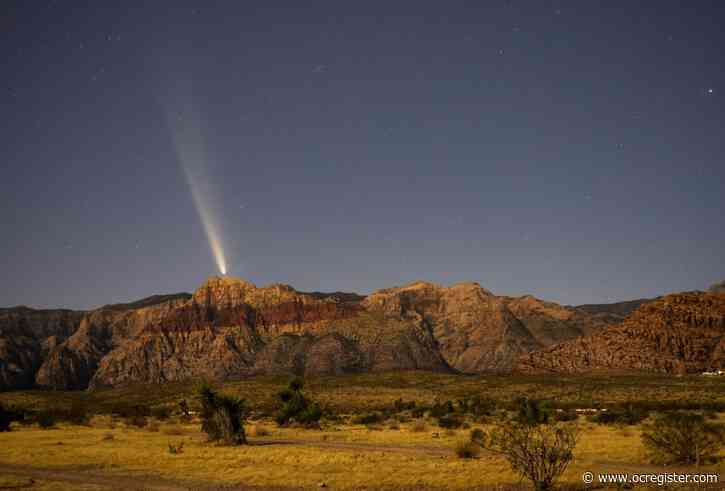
(344, 457)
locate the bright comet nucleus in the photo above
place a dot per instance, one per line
(185, 127)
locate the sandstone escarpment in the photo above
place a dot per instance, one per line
(72, 363)
(474, 330)
(680, 333)
(229, 328)
(26, 337)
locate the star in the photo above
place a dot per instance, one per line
(710, 91)
(319, 68)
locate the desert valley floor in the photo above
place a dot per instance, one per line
(363, 441)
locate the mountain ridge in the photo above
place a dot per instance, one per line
(230, 328)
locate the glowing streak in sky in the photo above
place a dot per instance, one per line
(185, 126)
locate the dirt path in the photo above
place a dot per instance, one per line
(145, 482)
(95, 475)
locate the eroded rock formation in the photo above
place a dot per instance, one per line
(679, 333)
(229, 328)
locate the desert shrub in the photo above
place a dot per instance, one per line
(399, 405)
(439, 410)
(531, 411)
(481, 406)
(682, 438)
(466, 449)
(8, 415)
(366, 419)
(222, 416)
(565, 415)
(450, 422)
(418, 426)
(108, 436)
(538, 452)
(419, 411)
(162, 413)
(296, 408)
(393, 425)
(402, 418)
(153, 426)
(478, 435)
(125, 410)
(374, 427)
(176, 448)
(628, 415)
(46, 419)
(77, 414)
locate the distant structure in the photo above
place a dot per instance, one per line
(714, 373)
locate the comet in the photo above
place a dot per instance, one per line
(185, 126)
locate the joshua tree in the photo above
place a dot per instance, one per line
(296, 407)
(222, 416)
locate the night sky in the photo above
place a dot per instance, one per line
(569, 150)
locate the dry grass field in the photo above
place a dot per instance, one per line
(108, 453)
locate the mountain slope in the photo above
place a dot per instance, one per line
(230, 328)
(26, 338)
(679, 333)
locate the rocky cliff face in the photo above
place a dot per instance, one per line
(72, 363)
(229, 328)
(26, 338)
(680, 333)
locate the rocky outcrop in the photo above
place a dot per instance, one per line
(680, 333)
(229, 328)
(26, 338)
(72, 363)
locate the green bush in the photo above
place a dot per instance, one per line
(682, 438)
(531, 411)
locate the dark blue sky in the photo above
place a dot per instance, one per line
(565, 149)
